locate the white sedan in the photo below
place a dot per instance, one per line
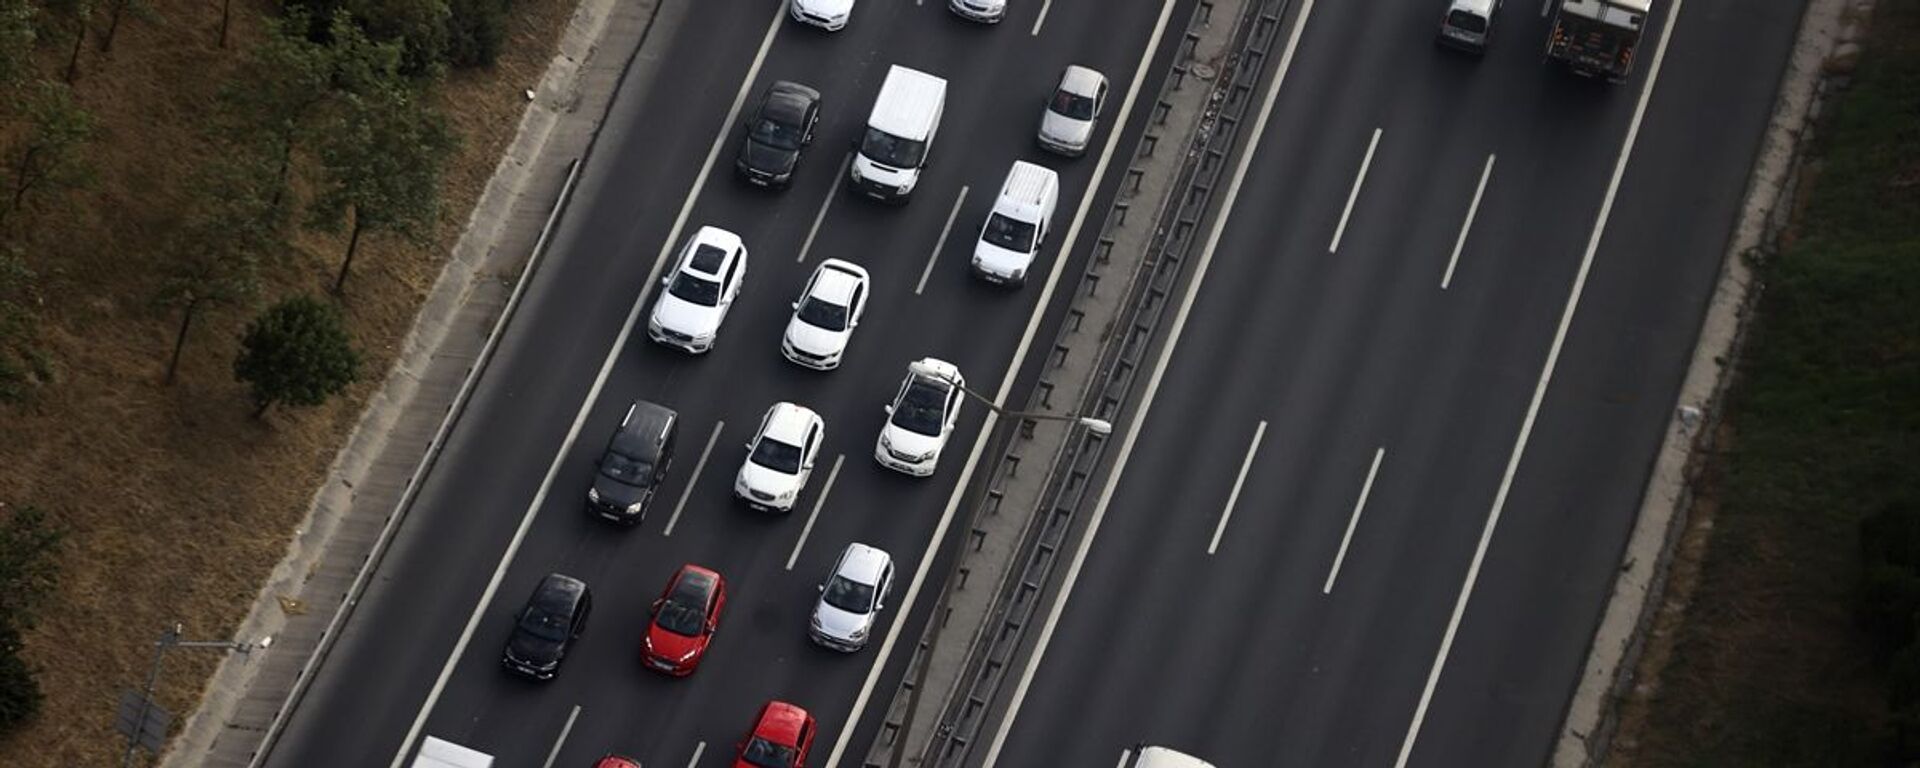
(826, 314)
(780, 457)
(921, 418)
(830, 15)
(1066, 125)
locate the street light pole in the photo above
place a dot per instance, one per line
(1100, 427)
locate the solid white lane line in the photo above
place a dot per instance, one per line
(815, 514)
(1354, 521)
(593, 394)
(693, 479)
(1006, 385)
(564, 730)
(832, 192)
(1245, 464)
(1044, 5)
(698, 749)
(1146, 402)
(1354, 194)
(1540, 389)
(1545, 5)
(942, 242)
(1472, 208)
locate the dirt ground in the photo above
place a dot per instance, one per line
(176, 503)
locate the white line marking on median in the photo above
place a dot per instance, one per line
(832, 192)
(1465, 226)
(1354, 194)
(1245, 464)
(852, 722)
(815, 514)
(554, 753)
(1354, 521)
(1539, 390)
(940, 244)
(1044, 5)
(1146, 402)
(698, 750)
(593, 393)
(693, 479)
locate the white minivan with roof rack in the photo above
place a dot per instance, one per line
(899, 134)
(1016, 228)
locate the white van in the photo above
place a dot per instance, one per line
(1017, 226)
(900, 133)
(1160, 757)
(1468, 25)
(440, 753)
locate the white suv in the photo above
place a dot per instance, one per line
(780, 457)
(699, 290)
(826, 314)
(921, 418)
(851, 597)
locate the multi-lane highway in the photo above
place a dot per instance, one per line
(503, 505)
(1359, 524)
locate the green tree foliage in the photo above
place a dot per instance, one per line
(1890, 607)
(475, 31)
(19, 356)
(213, 258)
(381, 161)
(418, 27)
(431, 34)
(68, 20)
(297, 353)
(274, 100)
(29, 570)
(48, 157)
(16, 42)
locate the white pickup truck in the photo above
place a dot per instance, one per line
(440, 753)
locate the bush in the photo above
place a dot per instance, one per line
(296, 352)
(475, 31)
(28, 545)
(19, 691)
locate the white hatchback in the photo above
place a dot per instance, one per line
(780, 457)
(1067, 123)
(826, 314)
(699, 290)
(830, 15)
(921, 418)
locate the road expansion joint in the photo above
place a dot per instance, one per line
(1822, 59)
(1016, 521)
(370, 485)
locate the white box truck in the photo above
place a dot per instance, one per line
(440, 753)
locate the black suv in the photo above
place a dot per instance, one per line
(555, 616)
(634, 464)
(777, 131)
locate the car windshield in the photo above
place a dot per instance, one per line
(887, 149)
(921, 408)
(696, 289)
(777, 456)
(1008, 233)
(623, 469)
(771, 131)
(848, 595)
(1467, 21)
(824, 314)
(767, 754)
(681, 618)
(544, 624)
(1072, 105)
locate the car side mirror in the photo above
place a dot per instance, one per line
(888, 409)
(656, 606)
(748, 445)
(795, 305)
(878, 607)
(665, 280)
(821, 588)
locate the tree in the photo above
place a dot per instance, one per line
(215, 255)
(18, 326)
(29, 570)
(72, 17)
(48, 157)
(417, 27)
(381, 160)
(274, 99)
(16, 42)
(475, 29)
(19, 690)
(297, 352)
(140, 8)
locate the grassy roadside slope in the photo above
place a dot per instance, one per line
(176, 503)
(1766, 665)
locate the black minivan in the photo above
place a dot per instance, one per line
(552, 620)
(635, 463)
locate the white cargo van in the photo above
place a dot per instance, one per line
(899, 134)
(1017, 226)
(439, 753)
(1161, 757)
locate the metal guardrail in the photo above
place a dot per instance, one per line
(1177, 227)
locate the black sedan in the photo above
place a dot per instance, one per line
(777, 131)
(555, 616)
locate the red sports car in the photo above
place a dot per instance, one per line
(684, 620)
(780, 738)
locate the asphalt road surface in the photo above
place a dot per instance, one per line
(1357, 399)
(564, 352)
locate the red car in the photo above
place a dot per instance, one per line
(780, 739)
(617, 761)
(684, 620)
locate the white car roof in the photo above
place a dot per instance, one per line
(1024, 194)
(728, 243)
(908, 103)
(788, 423)
(837, 279)
(862, 563)
(1081, 81)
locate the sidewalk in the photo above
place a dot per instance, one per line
(373, 477)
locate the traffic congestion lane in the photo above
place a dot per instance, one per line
(622, 239)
